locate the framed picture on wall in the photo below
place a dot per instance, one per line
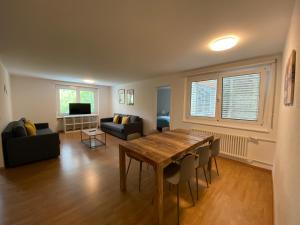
(130, 97)
(289, 85)
(121, 96)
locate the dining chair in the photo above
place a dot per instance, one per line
(202, 159)
(214, 152)
(132, 137)
(178, 172)
(130, 156)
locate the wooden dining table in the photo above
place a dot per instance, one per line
(159, 150)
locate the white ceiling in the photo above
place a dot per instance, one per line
(122, 41)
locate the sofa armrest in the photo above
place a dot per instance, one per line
(41, 125)
(110, 119)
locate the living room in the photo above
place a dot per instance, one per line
(108, 163)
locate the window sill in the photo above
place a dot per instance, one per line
(246, 127)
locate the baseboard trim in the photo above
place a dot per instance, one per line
(262, 165)
(251, 162)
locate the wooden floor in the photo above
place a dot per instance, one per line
(82, 187)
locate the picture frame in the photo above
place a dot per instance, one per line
(130, 97)
(121, 96)
(289, 85)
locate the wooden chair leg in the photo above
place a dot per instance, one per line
(128, 166)
(197, 183)
(216, 166)
(210, 177)
(191, 193)
(140, 175)
(177, 189)
(209, 169)
(205, 175)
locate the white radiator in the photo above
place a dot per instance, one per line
(231, 145)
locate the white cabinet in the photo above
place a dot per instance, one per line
(80, 122)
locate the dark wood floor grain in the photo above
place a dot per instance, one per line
(82, 187)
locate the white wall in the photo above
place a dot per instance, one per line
(35, 99)
(286, 173)
(105, 105)
(260, 154)
(5, 104)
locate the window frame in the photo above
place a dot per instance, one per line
(199, 79)
(262, 70)
(58, 108)
(78, 89)
(215, 98)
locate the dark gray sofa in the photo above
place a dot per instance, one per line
(18, 148)
(135, 125)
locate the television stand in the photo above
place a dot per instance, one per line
(75, 123)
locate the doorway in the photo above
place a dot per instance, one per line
(163, 108)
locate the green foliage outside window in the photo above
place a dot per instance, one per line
(88, 97)
(66, 96)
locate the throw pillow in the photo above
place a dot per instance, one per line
(116, 119)
(30, 128)
(125, 119)
(31, 123)
(19, 131)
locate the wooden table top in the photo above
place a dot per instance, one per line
(161, 148)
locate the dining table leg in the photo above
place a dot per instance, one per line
(159, 190)
(122, 166)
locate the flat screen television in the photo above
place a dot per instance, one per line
(79, 108)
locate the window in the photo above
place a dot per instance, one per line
(66, 96)
(88, 97)
(243, 95)
(240, 99)
(70, 94)
(203, 98)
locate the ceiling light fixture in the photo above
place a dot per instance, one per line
(89, 81)
(224, 43)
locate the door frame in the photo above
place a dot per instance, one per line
(171, 109)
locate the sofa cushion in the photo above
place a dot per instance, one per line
(125, 120)
(133, 119)
(23, 119)
(116, 119)
(120, 116)
(113, 126)
(19, 131)
(14, 129)
(11, 131)
(44, 131)
(30, 128)
(31, 123)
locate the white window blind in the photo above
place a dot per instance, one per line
(203, 98)
(240, 99)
